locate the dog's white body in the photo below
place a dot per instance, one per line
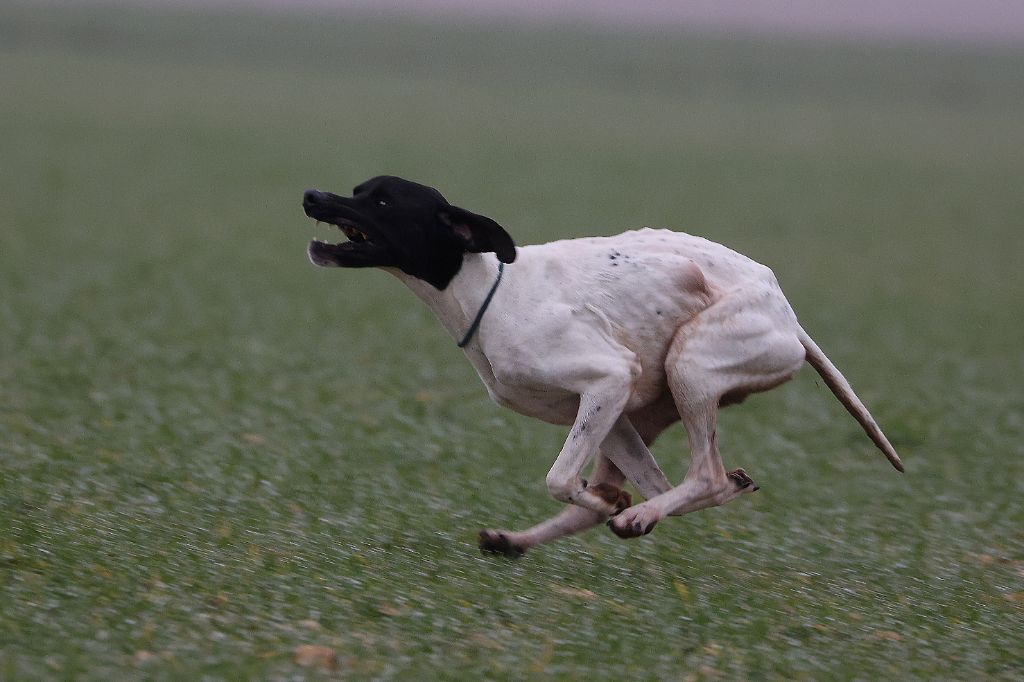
(620, 337)
(599, 304)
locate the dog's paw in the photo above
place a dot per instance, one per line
(742, 481)
(497, 542)
(616, 497)
(633, 522)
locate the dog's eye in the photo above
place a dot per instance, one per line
(382, 202)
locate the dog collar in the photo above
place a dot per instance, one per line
(483, 309)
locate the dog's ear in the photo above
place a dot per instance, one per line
(479, 233)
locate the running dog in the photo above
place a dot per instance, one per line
(616, 337)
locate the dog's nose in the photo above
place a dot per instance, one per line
(312, 197)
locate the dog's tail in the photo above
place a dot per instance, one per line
(842, 390)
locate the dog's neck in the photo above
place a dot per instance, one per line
(458, 303)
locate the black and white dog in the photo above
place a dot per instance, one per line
(617, 337)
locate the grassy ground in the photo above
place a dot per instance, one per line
(212, 453)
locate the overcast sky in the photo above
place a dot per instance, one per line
(972, 20)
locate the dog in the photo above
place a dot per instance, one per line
(615, 337)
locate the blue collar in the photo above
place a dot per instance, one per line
(483, 309)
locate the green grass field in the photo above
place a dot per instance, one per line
(212, 453)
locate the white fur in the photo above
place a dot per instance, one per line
(620, 337)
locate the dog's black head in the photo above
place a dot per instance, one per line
(391, 222)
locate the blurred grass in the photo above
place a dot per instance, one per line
(206, 443)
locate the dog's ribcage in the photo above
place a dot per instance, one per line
(573, 308)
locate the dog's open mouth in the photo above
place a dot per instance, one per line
(355, 235)
(364, 249)
(326, 254)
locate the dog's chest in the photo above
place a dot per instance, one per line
(553, 404)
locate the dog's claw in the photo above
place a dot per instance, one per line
(742, 481)
(496, 542)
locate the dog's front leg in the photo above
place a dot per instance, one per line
(627, 450)
(599, 409)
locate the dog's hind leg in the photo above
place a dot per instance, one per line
(571, 519)
(628, 446)
(740, 345)
(706, 477)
